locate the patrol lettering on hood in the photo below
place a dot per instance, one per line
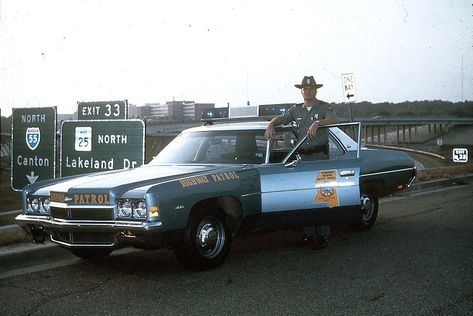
(90, 199)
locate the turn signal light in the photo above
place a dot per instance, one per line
(153, 211)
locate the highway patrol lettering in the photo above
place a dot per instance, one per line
(194, 181)
(218, 177)
(57, 197)
(225, 176)
(90, 199)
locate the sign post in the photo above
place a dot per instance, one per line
(102, 110)
(101, 145)
(349, 93)
(34, 146)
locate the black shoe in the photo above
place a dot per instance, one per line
(305, 241)
(322, 242)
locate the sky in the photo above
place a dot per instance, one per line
(56, 53)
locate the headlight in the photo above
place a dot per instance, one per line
(45, 206)
(140, 210)
(35, 205)
(39, 205)
(132, 208)
(125, 209)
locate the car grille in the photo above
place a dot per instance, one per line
(83, 238)
(83, 213)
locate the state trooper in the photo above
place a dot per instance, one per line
(308, 117)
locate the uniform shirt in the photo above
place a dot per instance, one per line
(303, 118)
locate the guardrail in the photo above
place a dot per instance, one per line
(405, 129)
(416, 121)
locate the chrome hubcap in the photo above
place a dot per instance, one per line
(210, 237)
(366, 207)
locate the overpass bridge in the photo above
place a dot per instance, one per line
(405, 129)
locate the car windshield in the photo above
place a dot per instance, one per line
(241, 147)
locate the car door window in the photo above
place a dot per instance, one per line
(244, 148)
(281, 144)
(336, 150)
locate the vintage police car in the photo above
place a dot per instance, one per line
(210, 184)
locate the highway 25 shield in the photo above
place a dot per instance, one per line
(33, 137)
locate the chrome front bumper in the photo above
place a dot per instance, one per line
(124, 229)
(88, 226)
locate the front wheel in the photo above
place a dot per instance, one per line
(206, 242)
(369, 211)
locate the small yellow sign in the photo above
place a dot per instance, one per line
(326, 191)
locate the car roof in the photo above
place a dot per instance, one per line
(239, 126)
(347, 142)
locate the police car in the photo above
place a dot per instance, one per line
(211, 184)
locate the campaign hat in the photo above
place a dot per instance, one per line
(308, 81)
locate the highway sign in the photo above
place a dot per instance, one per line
(101, 145)
(34, 146)
(348, 83)
(102, 110)
(460, 155)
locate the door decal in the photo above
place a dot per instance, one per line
(325, 184)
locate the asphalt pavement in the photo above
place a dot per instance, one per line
(416, 260)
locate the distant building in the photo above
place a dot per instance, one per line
(201, 107)
(186, 110)
(132, 111)
(172, 110)
(155, 110)
(143, 111)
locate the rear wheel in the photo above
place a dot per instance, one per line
(91, 253)
(206, 242)
(369, 211)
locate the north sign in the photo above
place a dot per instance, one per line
(34, 146)
(101, 145)
(102, 110)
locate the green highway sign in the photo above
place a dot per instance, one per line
(101, 145)
(102, 110)
(33, 146)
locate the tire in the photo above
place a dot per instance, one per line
(91, 253)
(206, 242)
(369, 211)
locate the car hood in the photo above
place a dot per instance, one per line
(124, 180)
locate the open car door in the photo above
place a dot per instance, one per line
(303, 192)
